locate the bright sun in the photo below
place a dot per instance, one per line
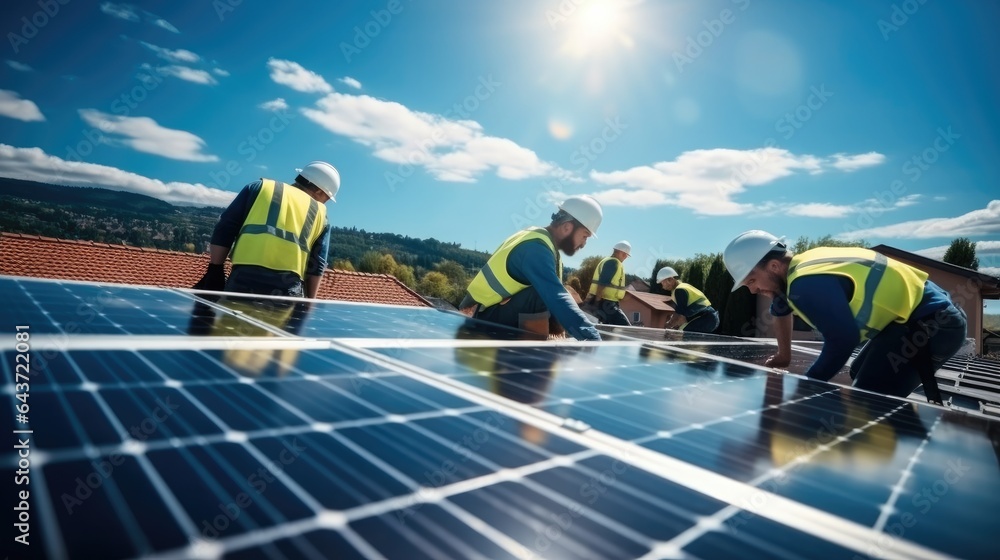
(595, 27)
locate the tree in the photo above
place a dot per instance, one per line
(342, 264)
(803, 243)
(741, 314)
(435, 284)
(696, 276)
(586, 272)
(718, 285)
(962, 252)
(404, 273)
(455, 272)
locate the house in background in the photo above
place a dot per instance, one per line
(968, 289)
(644, 309)
(63, 259)
(637, 285)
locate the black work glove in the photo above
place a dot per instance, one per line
(214, 279)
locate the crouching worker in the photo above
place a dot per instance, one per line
(521, 284)
(909, 325)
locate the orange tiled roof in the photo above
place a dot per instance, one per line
(65, 259)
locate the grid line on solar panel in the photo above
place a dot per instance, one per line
(855, 534)
(83, 398)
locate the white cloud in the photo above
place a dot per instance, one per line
(220, 72)
(293, 75)
(179, 55)
(347, 80)
(145, 135)
(707, 181)
(993, 271)
(120, 11)
(278, 104)
(849, 163)
(128, 12)
(160, 22)
(19, 66)
(819, 210)
(11, 105)
(33, 164)
(449, 150)
(871, 207)
(985, 221)
(188, 74)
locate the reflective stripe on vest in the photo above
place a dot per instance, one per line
(696, 299)
(614, 292)
(885, 290)
(493, 283)
(281, 228)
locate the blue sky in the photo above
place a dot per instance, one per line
(463, 121)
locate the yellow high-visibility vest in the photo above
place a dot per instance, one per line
(614, 292)
(696, 299)
(493, 283)
(283, 225)
(885, 290)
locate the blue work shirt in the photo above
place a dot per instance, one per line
(608, 272)
(825, 299)
(232, 219)
(534, 264)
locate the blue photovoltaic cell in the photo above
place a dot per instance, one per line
(315, 544)
(329, 319)
(69, 309)
(274, 450)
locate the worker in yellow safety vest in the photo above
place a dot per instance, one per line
(909, 325)
(693, 312)
(608, 287)
(278, 233)
(521, 285)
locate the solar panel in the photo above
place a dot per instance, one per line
(379, 431)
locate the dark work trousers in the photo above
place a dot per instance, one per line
(705, 321)
(890, 362)
(523, 307)
(258, 280)
(609, 312)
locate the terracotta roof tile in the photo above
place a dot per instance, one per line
(66, 259)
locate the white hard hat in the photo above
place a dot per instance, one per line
(323, 176)
(664, 273)
(743, 253)
(624, 247)
(585, 210)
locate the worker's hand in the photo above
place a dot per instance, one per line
(214, 279)
(778, 360)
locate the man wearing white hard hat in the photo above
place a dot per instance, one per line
(521, 285)
(693, 312)
(278, 233)
(851, 295)
(608, 286)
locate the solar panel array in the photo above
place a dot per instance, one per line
(174, 424)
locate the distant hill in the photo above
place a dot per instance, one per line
(108, 216)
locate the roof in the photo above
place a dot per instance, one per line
(65, 259)
(989, 286)
(657, 302)
(638, 285)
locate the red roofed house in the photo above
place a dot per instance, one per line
(644, 309)
(63, 259)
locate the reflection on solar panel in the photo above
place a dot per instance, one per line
(384, 432)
